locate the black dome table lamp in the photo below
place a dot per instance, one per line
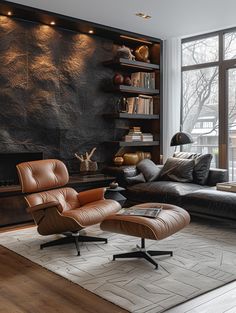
(181, 138)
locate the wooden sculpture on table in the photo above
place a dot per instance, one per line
(86, 164)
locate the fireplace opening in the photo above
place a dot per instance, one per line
(8, 162)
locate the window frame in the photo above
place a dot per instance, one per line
(223, 66)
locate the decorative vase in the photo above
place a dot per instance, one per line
(143, 155)
(142, 54)
(122, 105)
(130, 158)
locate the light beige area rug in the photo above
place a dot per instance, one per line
(204, 259)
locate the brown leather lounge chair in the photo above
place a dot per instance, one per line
(61, 210)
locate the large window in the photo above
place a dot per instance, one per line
(209, 96)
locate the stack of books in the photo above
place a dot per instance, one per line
(143, 80)
(147, 137)
(140, 105)
(227, 186)
(135, 134)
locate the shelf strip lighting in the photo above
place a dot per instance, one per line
(135, 39)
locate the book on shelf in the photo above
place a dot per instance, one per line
(140, 105)
(144, 212)
(227, 186)
(130, 138)
(143, 80)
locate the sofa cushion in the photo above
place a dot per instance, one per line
(212, 202)
(177, 169)
(136, 179)
(186, 155)
(217, 175)
(160, 191)
(149, 169)
(201, 169)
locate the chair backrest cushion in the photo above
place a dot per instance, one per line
(42, 175)
(67, 197)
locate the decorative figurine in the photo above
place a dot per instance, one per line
(113, 185)
(87, 164)
(122, 105)
(124, 52)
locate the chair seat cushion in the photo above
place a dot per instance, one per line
(94, 212)
(170, 220)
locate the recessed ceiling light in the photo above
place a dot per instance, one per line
(9, 13)
(52, 23)
(91, 31)
(143, 15)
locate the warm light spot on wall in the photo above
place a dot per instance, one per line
(9, 13)
(52, 23)
(91, 31)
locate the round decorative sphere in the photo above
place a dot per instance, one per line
(118, 79)
(118, 160)
(127, 81)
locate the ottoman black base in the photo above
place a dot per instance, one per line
(143, 253)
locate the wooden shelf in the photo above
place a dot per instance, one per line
(135, 143)
(135, 91)
(134, 66)
(133, 116)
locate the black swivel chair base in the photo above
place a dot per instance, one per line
(143, 253)
(72, 238)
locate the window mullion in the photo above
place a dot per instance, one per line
(223, 107)
(199, 66)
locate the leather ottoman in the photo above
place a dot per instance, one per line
(170, 220)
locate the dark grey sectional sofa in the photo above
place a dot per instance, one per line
(196, 199)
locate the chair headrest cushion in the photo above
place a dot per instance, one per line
(42, 175)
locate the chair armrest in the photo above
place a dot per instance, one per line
(45, 206)
(217, 175)
(91, 195)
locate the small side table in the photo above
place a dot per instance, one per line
(114, 194)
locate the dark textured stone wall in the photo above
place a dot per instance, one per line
(51, 96)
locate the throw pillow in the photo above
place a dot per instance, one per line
(177, 169)
(136, 179)
(186, 155)
(201, 169)
(149, 169)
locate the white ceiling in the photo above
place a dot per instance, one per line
(170, 18)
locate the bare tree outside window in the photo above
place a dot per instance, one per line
(232, 121)
(230, 46)
(200, 51)
(200, 94)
